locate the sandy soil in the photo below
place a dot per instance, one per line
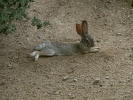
(106, 75)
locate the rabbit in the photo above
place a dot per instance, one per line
(86, 45)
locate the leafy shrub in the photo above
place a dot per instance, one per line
(12, 10)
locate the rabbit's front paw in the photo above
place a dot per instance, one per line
(94, 49)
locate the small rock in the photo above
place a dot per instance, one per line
(56, 92)
(96, 81)
(17, 90)
(65, 78)
(16, 57)
(76, 80)
(20, 42)
(118, 33)
(28, 39)
(71, 96)
(97, 40)
(40, 37)
(107, 77)
(10, 66)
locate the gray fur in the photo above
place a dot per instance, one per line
(86, 45)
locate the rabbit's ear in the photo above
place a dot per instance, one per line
(79, 29)
(85, 26)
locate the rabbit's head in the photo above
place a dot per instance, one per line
(82, 30)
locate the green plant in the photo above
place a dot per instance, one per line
(46, 22)
(37, 22)
(132, 49)
(11, 10)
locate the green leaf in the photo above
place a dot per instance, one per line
(45, 23)
(132, 48)
(36, 22)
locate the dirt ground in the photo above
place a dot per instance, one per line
(106, 75)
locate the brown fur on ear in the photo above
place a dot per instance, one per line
(85, 26)
(79, 29)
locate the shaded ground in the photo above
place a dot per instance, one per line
(106, 75)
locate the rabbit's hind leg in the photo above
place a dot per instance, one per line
(47, 52)
(94, 49)
(35, 54)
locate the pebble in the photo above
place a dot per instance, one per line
(118, 33)
(20, 42)
(10, 66)
(40, 37)
(97, 40)
(28, 39)
(65, 78)
(17, 90)
(16, 57)
(69, 94)
(107, 77)
(97, 80)
(76, 80)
